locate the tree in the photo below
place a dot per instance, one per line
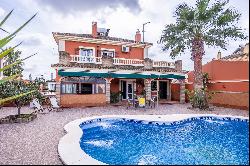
(17, 87)
(11, 58)
(206, 23)
(3, 53)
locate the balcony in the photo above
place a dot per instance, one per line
(131, 62)
(163, 64)
(82, 59)
(120, 61)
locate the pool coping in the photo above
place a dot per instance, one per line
(71, 153)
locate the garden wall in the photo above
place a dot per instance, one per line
(73, 100)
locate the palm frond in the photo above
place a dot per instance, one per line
(9, 78)
(15, 97)
(6, 17)
(7, 51)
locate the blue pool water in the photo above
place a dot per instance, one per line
(189, 142)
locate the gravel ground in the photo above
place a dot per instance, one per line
(36, 142)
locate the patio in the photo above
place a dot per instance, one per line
(36, 142)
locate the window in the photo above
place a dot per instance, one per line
(100, 88)
(86, 52)
(52, 87)
(87, 55)
(69, 88)
(83, 88)
(107, 53)
(86, 88)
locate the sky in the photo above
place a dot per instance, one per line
(122, 17)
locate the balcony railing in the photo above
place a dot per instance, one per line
(120, 61)
(82, 59)
(163, 64)
(124, 61)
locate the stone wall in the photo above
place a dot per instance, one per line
(148, 63)
(178, 65)
(107, 61)
(64, 58)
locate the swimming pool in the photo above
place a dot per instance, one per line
(185, 141)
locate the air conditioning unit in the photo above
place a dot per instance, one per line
(125, 49)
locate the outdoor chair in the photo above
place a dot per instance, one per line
(130, 103)
(54, 104)
(153, 102)
(142, 102)
(37, 106)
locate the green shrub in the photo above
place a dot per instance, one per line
(115, 97)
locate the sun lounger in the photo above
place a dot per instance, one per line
(54, 104)
(38, 106)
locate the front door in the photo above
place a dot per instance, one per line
(163, 89)
(127, 89)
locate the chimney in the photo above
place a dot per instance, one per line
(138, 36)
(94, 29)
(246, 49)
(219, 55)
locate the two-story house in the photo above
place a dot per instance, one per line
(93, 67)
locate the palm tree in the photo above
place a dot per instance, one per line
(206, 23)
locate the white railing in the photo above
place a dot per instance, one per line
(83, 59)
(120, 61)
(163, 64)
(124, 61)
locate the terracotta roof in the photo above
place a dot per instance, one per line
(99, 37)
(239, 54)
(237, 57)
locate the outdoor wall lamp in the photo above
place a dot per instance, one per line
(143, 30)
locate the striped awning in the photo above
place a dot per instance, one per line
(103, 73)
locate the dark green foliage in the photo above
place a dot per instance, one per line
(214, 23)
(199, 97)
(16, 87)
(12, 57)
(115, 97)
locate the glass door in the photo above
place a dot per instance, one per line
(124, 90)
(129, 90)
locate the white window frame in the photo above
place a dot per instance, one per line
(82, 47)
(107, 49)
(93, 55)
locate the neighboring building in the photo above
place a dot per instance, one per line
(229, 76)
(93, 67)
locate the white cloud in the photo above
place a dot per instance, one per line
(1, 12)
(120, 19)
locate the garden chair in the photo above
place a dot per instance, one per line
(153, 102)
(130, 103)
(37, 106)
(54, 104)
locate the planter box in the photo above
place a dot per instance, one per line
(14, 119)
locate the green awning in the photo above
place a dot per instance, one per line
(131, 75)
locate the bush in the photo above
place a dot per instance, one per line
(115, 97)
(199, 98)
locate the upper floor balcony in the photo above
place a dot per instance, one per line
(120, 61)
(116, 62)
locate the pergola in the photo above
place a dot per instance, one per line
(109, 74)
